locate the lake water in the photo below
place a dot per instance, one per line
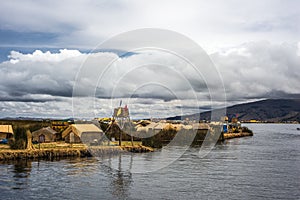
(265, 166)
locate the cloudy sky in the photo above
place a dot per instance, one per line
(50, 67)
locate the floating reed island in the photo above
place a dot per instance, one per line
(157, 135)
(57, 153)
(105, 137)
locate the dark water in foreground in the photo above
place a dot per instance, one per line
(265, 166)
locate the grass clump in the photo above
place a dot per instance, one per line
(19, 141)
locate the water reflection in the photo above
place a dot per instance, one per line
(19, 175)
(22, 169)
(19, 178)
(120, 179)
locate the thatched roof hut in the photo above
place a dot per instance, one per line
(159, 126)
(82, 133)
(6, 131)
(151, 126)
(200, 126)
(144, 122)
(177, 127)
(45, 134)
(187, 127)
(114, 130)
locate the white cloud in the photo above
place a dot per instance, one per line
(41, 83)
(39, 56)
(44, 81)
(40, 73)
(267, 69)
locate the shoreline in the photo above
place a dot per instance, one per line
(98, 151)
(42, 154)
(228, 136)
(52, 154)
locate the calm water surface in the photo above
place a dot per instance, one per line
(265, 166)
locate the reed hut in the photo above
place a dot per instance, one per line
(82, 133)
(6, 131)
(45, 134)
(200, 126)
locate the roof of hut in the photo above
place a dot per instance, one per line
(151, 125)
(169, 126)
(141, 128)
(187, 127)
(178, 127)
(44, 130)
(159, 126)
(6, 129)
(78, 129)
(200, 126)
(144, 122)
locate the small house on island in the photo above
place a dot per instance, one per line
(82, 133)
(45, 134)
(6, 131)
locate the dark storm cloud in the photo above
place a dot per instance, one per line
(260, 70)
(26, 99)
(44, 81)
(201, 108)
(251, 71)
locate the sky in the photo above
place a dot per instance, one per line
(53, 65)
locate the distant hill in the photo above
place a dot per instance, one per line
(271, 110)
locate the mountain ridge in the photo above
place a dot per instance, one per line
(269, 110)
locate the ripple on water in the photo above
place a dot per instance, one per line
(265, 166)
